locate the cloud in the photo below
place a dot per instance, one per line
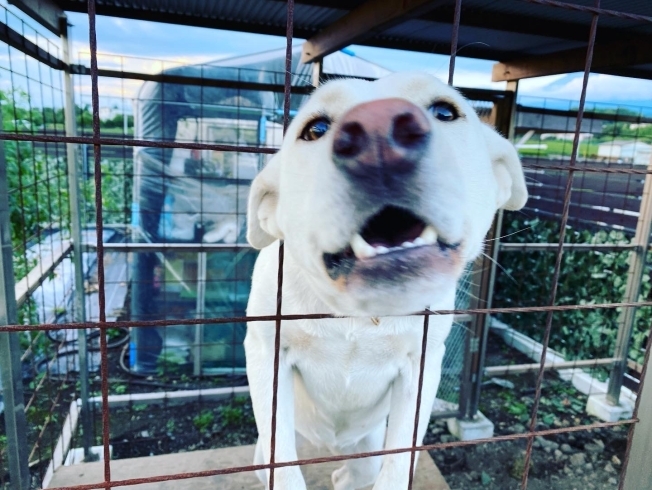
(601, 88)
(152, 39)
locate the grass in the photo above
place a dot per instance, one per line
(559, 147)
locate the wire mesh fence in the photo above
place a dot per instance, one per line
(166, 277)
(39, 221)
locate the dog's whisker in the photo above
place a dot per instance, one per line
(509, 234)
(500, 267)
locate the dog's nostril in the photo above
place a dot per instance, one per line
(408, 131)
(350, 140)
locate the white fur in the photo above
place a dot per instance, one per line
(348, 384)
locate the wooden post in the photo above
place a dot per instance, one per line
(317, 71)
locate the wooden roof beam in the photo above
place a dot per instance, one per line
(369, 18)
(606, 58)
(45, 12)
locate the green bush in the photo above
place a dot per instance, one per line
(586, 277)
(37, 182)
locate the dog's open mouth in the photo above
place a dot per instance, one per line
(390, 232)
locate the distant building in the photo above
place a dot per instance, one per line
(566, 136)
(624, 151)
(109, 112)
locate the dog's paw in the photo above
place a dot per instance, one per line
(390, 481)
(289, 479)
(342, 479)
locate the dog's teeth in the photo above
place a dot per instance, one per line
(428, 236)
(419, 242)
(381, 250)
(361, 248)
(408, 245)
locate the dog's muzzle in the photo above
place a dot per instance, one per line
(379, 147)
(381, 141)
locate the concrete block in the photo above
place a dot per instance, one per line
(76, 454)
(469, 430)
(599, 407)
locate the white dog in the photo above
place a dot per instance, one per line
(382, 192)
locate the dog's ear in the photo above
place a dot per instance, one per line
(262, 227)
(512, 191)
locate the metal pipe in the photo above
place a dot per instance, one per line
(161, 247)
(74, 197)
(200, 307)
(10, 366)
(637, 262)
(476, 342)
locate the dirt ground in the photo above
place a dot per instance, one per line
(580, 460)
(574, 461)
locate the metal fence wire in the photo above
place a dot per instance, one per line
(53, 330)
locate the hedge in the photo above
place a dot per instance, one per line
(587, 277)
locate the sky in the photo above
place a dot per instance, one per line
(183, 45)
(191, 45)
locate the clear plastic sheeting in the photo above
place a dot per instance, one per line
(200, 196)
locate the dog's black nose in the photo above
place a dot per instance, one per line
(381, 137)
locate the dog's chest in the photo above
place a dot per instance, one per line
(344, 370)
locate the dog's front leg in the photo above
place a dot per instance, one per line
(260, 371)
(395, 471)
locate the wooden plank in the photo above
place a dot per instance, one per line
(28, 284)
(587, 197)
(614, 184)
(578, 222)
(63, 443)
(583, 213)
(580, 164)
(606, 57)
(635, 366)
(369, 18)
(317, 476)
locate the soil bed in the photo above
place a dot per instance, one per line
(572, 461)
(580, 460)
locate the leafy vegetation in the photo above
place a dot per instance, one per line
(37, 182)
(204, 420)
(587, 277)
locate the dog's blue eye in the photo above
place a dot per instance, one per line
(315, 129)
(444, 111)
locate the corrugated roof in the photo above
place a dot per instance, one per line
(499, 30)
